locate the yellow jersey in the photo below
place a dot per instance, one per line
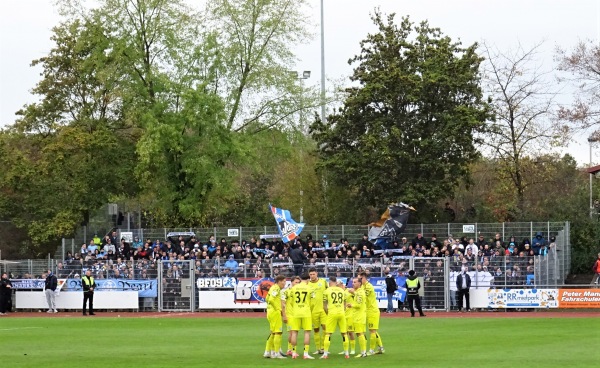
(349, 298)
(317, 289)
(335, 298)
(371, 298)
(288, 296)
(274, 298)
(301, 300)
(360, 306)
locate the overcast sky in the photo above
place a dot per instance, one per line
(25, 30)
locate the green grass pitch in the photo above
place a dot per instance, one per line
(239, 342)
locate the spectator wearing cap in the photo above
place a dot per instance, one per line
(511, 249)
(231, 264)
(552, 244)
(325, 242)
(412, 286)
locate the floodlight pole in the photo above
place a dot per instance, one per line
(591, 140)
(322, 63)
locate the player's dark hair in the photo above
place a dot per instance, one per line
(304, 277)
(279, 278)
(294, 278)
(332, 278)
(312, 269)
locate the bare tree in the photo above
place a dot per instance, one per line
(523, 103)
(582, 68)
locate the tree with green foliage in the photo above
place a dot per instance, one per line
(70, 152)
(406, 129)
(257, 40)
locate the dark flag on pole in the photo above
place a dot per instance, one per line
(392, 223)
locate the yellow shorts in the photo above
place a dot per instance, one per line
(359, 327)
(373, 320)
(275, 321)
(350, 324)
(319, 318)
(334, 321)
(300, 323)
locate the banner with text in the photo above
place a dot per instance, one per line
(27, 284)
(579, 298)
(380, 288)
(145, 288)
(216, 283)
(523, 298)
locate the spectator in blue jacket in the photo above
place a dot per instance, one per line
(537, 242)
(232, 264)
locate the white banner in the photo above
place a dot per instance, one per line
(127, 235)
(523, 298)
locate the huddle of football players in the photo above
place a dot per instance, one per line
(310, 303)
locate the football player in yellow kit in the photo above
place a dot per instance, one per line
(372, 315)
(289, 310)
(319, 318)
(301, 300)
(275, 312)
(359, 307)
(333, 303)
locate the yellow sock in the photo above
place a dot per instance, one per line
(327, 343)
(379, 341)
(322, 333)
(306, 348)
(345, 343)
(362, 342)
(269, 346)
(373, 340)
(353, 345)
(276, 343)
(289, 345)
(294, 348)
(317, 340)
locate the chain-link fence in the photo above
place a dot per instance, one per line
(176, 286)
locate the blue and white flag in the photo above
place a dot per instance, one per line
(288, 228)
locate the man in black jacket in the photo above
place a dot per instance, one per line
(88, 283)
(412, 286)
(5, 294)
(390, 288)
(297, 256)
(50, 290)
(463, 284)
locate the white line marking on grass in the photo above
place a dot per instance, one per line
(18, 328)
(165, 315)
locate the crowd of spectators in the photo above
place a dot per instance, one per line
(260, 258)
(508, 262)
